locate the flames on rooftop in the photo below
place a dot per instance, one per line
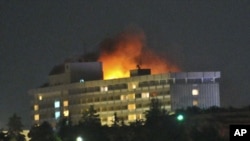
(126, 52)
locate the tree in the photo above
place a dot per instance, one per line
(65, 129)
(90, 126)
(44, 132)
(3, 136)
(155, 112)
(116, 121)
(15, 128)
(90, 118)
(160, 125)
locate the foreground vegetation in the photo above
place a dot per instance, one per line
(158, 126)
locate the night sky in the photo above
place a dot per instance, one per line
(197, 35)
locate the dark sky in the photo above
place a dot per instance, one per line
(198, 35)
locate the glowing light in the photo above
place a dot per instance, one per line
(65, 103)
(40, 97)
(145, 95)
(131, 107)
(36, 107)
(195, 102)
(66, 113)
(195, 92)
(79, 138)
(125, 52)
(57, 114)
(180, 117)
(36, 117)
(57, 104)
(131, 117)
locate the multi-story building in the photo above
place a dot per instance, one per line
(74, 87)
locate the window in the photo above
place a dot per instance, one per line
(132, 117)
(57, 114)
(131, 96)
(195, 92)
(139, 116)
(104, 89)
(36, 107)
(65, 103)
(57, 104)
(127, 97)
(195, 102)
(123, 97)
(66, 113)
(110, 119)
(40, 97)
(131, 107)
(145, 95)
(133, 86)
(36, 117)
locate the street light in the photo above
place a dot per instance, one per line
(180, 117)
(79, 138)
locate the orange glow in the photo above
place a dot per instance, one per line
(125, 52)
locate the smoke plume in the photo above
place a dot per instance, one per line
(126, 51)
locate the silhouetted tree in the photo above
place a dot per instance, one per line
(205, 133)
(43, 132)
(15, 128)
(3, 136)
(193, 110)
(160, 125)
(90, 118)
(90, 126)
(156, 113)
(116, 121)
(65, 129)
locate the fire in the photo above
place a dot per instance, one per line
(125, 52)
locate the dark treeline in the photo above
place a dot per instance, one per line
(195, 125)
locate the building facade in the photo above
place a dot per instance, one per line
(128, 97)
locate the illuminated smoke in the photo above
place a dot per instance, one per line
(127, 50)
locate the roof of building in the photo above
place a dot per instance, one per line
(58, 69)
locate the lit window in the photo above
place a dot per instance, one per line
(123, 97)
(66, 113)
(195, 102)
(36, 117)
(145, 95)
(65, 103)
(81, 80)
(195, 92)
(132, 117)
(40, 97)
(104, 89)
(133, 86)
(36, 107)
(110, 119)
(139, 116)
(57, 114)
(131, 107)
(131, 96)
(57, 104)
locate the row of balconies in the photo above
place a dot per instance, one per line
(117, 87)
(103, 107)
(94, 101)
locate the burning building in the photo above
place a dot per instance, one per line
(71, 91)
(115, 86)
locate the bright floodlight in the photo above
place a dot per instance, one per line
(79, 138)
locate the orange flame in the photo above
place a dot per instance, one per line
(125, 52)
